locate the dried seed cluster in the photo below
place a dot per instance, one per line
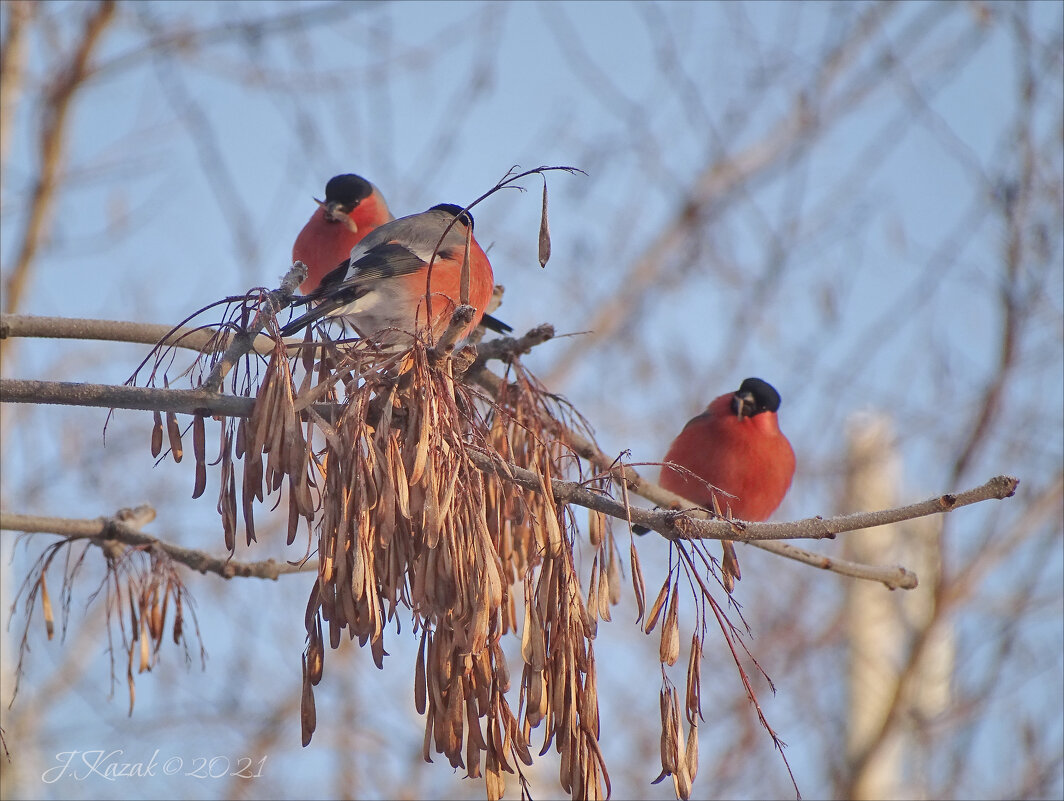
(413, 503)
(413, 508)
(143, 590)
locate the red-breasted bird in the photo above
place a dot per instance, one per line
(735, 445)
(381, 290)
(352, 208)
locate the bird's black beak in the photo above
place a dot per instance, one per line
(743, 404)
(333, 211)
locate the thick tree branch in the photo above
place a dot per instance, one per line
(197, 339)
(672, 524)
(109, 396)
(124, 528)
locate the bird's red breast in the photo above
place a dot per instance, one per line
(442, 282)
(353, 207)
(737, 446)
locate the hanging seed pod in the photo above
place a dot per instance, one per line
(315, 657)
(669, 650)
(691, 754)
(155, 620)
(638, 585)
(592, 597)
(174, 432)
(308, 716)
(668, 737)
(544, 232)
(614, 574)
(655, 610)
(420, 683)
(693, 699)
(179, 620)
(199, 449)
(603, 610)
(129, 678)
(157, 435)
(145, 644)
(46, 608)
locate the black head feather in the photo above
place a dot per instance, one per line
(347, 190)
(754, 397)
(454, 211)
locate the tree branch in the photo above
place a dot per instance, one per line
(689, 524)
(197, 339)
(124, 527)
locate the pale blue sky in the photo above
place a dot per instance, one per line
(434, 101)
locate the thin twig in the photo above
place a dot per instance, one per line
(243, 342)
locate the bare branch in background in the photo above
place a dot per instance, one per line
(68, 82)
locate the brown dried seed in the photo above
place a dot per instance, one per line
(313, 604)
(399, 477)
(145, 646)
(638, 585)
(179, 621)
(589, 713)
(554, 531)
(595, 525)
(155, 617)
(129, 678)
(604, 593)
(46, 606)
(201, 480)
(493, 780)
(199, 438)
(535, 695)
(655, 610)
(669, 650)
(134, 628)
(308, 716)
(252, 485)
(432, 526)
(472, 759)
(241, 438)
(293, 515)
(565, 770)
(420, 685)
(174, 432)
(681, 777)
(730, 572)
(162, 614)
(475, 735)
(693, 704)
(376, 647)
(157, 435)
(691, 755)
(544, 232)
(422, 451)
(500, 668)
(426, 744)
(316, 654)
(668, 735)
